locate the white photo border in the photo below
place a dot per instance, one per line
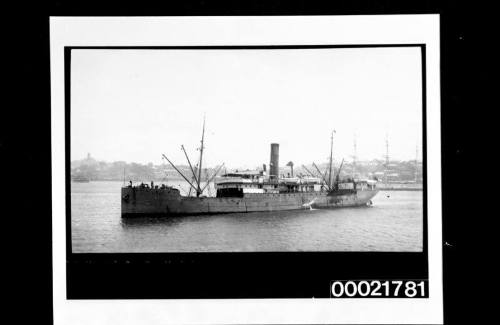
(271, 30)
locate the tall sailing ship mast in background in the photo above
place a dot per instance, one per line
(248, 191)
(387, 161)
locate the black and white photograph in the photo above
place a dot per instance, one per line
(247, 149)
(246, 169)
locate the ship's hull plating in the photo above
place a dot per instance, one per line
(143, 202)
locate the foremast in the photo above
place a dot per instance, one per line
(331, 161)
(198, 192)
(196, 170)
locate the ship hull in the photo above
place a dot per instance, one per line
(137, 202)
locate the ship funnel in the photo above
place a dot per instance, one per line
(274, 166)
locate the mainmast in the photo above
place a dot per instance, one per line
(331, 161)
(192, 170)
(198, 192)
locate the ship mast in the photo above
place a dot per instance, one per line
(387, 160)
(191, 167)
(337, 177)
(198, 192)
(331, 160)
(196, 169)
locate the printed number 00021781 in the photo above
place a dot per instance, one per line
(379, 289)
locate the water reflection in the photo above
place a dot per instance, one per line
(393, 223)
(148, 221)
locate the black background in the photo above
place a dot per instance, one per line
(25, 135)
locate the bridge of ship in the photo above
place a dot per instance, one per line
(252, 182)
(240, 183)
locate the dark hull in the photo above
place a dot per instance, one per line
(137, 202)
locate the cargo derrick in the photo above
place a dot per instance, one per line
(248, 191)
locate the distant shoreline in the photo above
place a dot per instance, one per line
(400, 187)
(397, 187)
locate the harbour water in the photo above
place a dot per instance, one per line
(393, 223)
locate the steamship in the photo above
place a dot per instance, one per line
(248, 191)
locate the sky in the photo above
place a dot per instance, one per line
(135, 105)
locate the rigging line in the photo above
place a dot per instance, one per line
(193, 177)
(213, 176)
(180, 173)
(207, 182)
(307, 170)
(190, 166)
(337, 177)
(322, 176)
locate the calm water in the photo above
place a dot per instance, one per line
(393, 223)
